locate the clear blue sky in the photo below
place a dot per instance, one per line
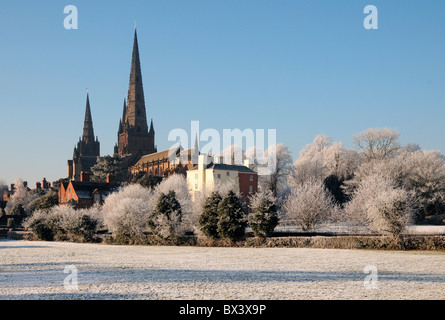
(303, 67)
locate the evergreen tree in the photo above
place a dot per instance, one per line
(166, 217)
(264, 217)
(232, 218)
(46, 201)
(334, 185)
(113, 165)
(208, 220)
(149, 181)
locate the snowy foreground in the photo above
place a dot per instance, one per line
(35, 270)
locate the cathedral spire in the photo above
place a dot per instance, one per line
(88, 131)
(134, 136)
(124, 112)
(135, 110)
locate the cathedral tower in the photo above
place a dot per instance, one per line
(87, 150)
(134, 137)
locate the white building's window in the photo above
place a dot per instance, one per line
(228, 173)
(250, 189)
(219, 176)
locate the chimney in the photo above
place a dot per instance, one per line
(25, 184)
(12, 188)
(247, 163)
(84, 176)
(109, 178)
(219, 159)
(38, 185)
(44, 184)
(202, 162)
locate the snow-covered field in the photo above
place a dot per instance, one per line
(35, 270)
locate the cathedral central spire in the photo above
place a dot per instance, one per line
(88, 131)
(133, 135)
(136, 113)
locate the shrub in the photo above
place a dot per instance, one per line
(63, 223)
(85, 229)
(42, 230)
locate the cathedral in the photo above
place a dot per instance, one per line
(134, 137)
(135, 140)
(87, 150)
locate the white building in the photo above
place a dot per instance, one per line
(211, 173)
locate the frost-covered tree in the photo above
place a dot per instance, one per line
(309, 205)
(377, 144)
(21, 196)
(264, 216)
(380, 205)
(3, 188)
(232, 218)
(278, 161)
(323, 158)
(125, 213)
(418, 171)
(426, 179)
(233, 154)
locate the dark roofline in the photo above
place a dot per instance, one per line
(90, 185)
(227, 167)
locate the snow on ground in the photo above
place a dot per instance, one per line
(35, 270)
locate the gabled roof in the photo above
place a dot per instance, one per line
(165, 154)
(84, 189)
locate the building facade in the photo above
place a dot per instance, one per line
(85, 193)
(209, 175)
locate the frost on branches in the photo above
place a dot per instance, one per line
(309, 205)
(380, 206)
(20, 200)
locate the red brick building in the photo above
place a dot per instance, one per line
(85, 193)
